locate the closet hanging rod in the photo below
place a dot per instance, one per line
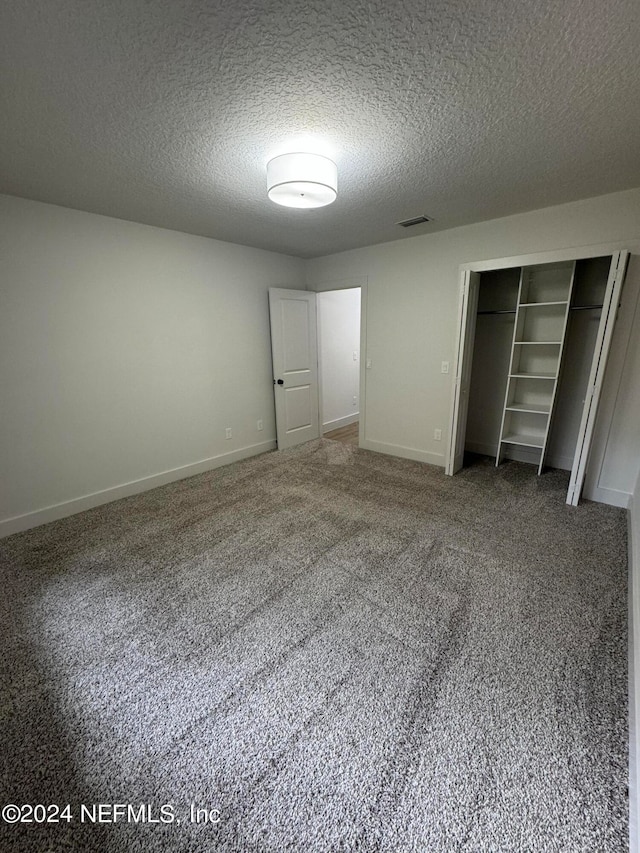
(585, 307)
(513, 310)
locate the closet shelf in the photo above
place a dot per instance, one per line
(545, 304)
(531, 408)
(539, 304)
(529, 304)
(524, 440)
(532, 375)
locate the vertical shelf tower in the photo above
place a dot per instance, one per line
(542, 311)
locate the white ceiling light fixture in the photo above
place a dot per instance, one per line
(302, 180)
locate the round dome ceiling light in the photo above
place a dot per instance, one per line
(302, 180)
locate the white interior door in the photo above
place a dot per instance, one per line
(601, 353)
(294, 350)
(462, 371)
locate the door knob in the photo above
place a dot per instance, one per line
(280, 381)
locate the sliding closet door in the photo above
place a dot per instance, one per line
(464, 360)
(596, 376)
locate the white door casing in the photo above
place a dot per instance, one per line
(462, 370)
(294, 351)
(615, 280)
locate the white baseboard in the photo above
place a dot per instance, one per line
(478, 447)
(340, 422)
(520, 454)
(404, 452)
(613, 497)
(564, 463)
(52, 513)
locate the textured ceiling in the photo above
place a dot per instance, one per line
(166, 111)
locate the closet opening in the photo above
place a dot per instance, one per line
(533, 344)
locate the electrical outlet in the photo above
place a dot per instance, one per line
(368, 364)
(444, 367)
(228, 433)
(260, 425)
(437, 434)
(355, 355)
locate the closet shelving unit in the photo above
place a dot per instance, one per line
(542, 311)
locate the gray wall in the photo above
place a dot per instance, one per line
(125, 352)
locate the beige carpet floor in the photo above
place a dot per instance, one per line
(329, 650)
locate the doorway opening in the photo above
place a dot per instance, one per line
(316, 335)
(338, 313)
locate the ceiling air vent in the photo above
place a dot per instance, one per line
(417, 220)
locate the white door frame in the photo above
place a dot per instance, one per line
(569, 254)
(462, 369)
(349, 284)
